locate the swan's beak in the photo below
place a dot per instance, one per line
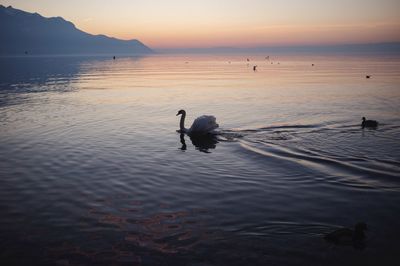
(177, 114)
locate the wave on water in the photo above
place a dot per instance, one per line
(338, 153)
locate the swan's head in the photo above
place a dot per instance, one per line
(181, 112)
(363, 119)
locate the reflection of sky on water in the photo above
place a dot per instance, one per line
(30, 74)
(100, 175)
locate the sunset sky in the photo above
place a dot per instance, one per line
(239, 23)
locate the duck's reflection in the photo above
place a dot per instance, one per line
(202, 143)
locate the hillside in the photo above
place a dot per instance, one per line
(22, 31)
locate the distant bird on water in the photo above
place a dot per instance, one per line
(114, 57)
(254, 68)
(203, 125)
(368, 76)
(347, 236)
(369, 123)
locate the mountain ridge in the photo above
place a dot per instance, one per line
(24, 32)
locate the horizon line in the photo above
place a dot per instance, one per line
(376, 46)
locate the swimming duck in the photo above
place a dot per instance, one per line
(369, 123)
(347, 236)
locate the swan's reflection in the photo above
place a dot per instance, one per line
(183, 142)
(202, 143)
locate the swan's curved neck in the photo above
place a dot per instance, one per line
(182, 123)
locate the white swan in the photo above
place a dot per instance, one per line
(204, 124)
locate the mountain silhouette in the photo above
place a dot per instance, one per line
(23, 32)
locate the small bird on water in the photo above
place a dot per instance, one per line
(369, 123)
(347, 236)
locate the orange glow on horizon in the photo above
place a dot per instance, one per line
(233, 23)
(285, 35)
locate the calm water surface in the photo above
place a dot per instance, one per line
(93, 171)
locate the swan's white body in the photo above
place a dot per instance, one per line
(205, 124)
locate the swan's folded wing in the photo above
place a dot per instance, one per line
(204, 124)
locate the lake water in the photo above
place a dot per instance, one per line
(93, 171)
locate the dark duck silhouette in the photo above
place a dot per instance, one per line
(347, 236)
(369, 123)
